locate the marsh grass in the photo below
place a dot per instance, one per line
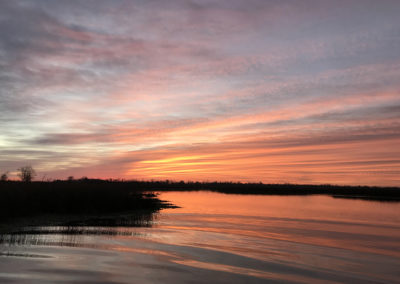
(87, 198)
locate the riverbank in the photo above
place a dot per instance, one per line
(84, 200)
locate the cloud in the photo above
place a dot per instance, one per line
(209, 90)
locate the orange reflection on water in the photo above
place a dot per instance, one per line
(302, 207)
(319, 220)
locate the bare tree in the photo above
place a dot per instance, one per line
(4, 177)
(26, 173)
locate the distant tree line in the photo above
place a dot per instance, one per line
(26, 174)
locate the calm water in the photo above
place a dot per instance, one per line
(218, 238)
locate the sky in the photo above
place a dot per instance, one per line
(251, 91)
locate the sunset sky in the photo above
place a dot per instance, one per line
(271, 91)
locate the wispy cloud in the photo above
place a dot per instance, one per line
(273, 91)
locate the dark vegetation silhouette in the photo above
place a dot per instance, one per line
(84, 196)
(26, 174)
(4, 176)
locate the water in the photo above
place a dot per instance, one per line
(218, 238)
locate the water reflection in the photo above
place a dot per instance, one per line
(356, 225)
(214, 237)
(57, 230)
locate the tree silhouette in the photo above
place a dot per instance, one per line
(26, 173)
(4, 177)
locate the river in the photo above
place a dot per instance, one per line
(219, 238)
